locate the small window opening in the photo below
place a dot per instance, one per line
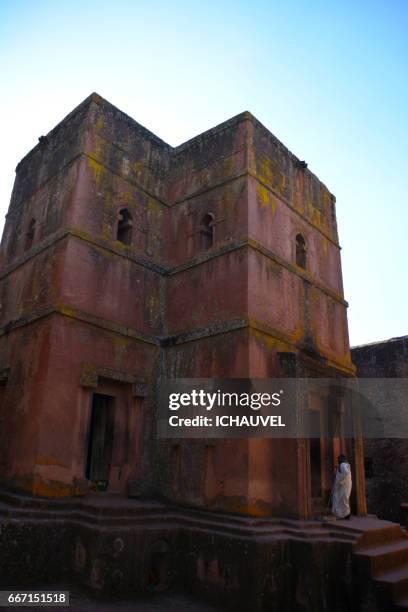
(30, 235)
(368, 467)
(124, 233)
(207, 231)
(300, 251)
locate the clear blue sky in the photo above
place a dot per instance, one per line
(328, 78)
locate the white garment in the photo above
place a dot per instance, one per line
(341, 491)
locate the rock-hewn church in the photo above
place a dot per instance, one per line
(125, 261)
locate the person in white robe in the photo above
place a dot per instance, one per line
(342, 489)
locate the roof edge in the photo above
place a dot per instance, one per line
(96, 98)
(100, 101)
(379, 342)
(214, 131)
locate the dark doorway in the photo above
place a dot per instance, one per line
(315, 455)
(100, 441)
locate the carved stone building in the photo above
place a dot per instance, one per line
(124, 261)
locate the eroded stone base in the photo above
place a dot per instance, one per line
(116, 546)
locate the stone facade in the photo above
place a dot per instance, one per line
(124, 260)
(386, 460)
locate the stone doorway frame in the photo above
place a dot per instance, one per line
(129, 392)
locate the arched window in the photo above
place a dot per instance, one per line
(30, 235)
(301, 254)
(124, 232)
(207, 231)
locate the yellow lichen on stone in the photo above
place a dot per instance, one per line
(107, 232)
(120, 340)
(125, 166)
(316, 216)
(266, 170)
(153, 308)
(97, 169)
(100, 123)
(125, 197)
(266, 339)
(155, 207)
(66, 310)
(46, 460)
(298, 333)
(282, 182)
(44, 488)
(229, 165)
(266, 198)
(138, 167)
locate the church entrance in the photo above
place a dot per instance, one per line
(100, 442)
(320, 453)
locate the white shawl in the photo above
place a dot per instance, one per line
(341, 491)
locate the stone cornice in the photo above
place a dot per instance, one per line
(168, 340)
(168, 270)
(199, 192)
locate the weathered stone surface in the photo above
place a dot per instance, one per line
(386, 459)
(118, 547)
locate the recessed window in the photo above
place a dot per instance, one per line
(30, 235)
(301, 253)
(100, 440)
(368, 467)
(124, 231)
(207, 231)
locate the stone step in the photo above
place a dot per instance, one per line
(171, 521)
(387, 533)
(115, 506)
(109, 510)
(385, 557)
(20, 500)
(401, 604)
(396, 580)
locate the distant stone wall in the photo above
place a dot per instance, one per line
(386, 460)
